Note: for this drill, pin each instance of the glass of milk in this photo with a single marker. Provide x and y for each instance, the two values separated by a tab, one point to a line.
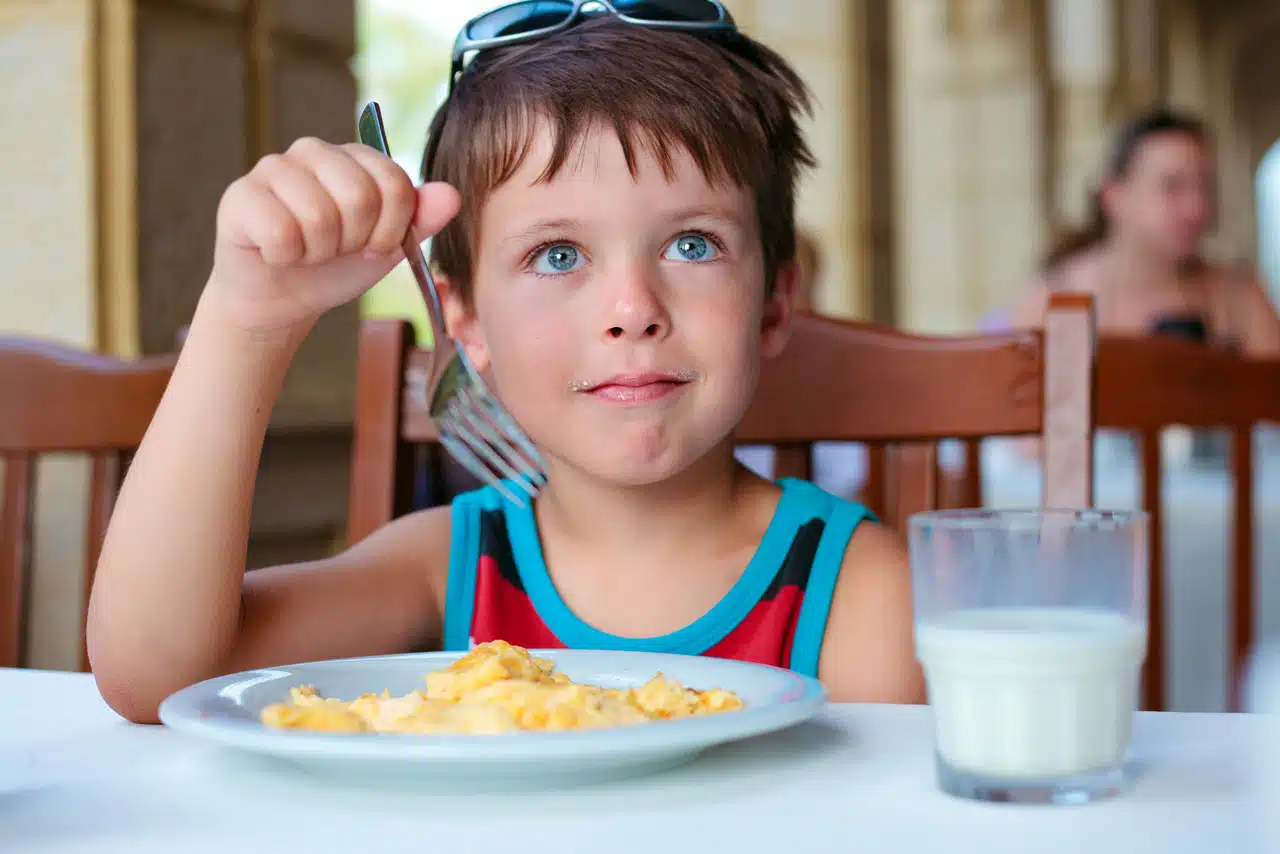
1031	627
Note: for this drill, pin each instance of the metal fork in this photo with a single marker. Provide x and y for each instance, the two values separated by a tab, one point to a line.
472	424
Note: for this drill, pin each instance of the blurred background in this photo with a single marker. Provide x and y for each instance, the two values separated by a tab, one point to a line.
957	138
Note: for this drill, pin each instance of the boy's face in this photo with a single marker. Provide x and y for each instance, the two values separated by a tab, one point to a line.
621	318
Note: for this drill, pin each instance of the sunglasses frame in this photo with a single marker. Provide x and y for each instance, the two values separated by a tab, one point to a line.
464	44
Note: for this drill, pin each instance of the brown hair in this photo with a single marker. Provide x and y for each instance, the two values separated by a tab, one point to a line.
1152	122
728	101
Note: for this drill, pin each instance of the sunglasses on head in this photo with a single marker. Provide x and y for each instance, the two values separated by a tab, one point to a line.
536	19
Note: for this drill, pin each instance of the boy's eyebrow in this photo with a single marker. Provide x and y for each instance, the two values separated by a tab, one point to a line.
541	228
706	212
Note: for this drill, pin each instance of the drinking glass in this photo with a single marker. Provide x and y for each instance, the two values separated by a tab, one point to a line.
1031	627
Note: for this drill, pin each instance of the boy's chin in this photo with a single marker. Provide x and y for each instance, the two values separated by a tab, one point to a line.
630	471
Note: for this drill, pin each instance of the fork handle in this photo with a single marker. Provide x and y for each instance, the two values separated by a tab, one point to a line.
427	285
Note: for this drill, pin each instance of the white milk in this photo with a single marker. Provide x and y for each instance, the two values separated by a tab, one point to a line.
1027	693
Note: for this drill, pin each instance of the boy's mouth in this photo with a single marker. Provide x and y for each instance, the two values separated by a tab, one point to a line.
635	388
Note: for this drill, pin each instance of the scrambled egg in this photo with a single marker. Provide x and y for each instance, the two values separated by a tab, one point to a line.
495	688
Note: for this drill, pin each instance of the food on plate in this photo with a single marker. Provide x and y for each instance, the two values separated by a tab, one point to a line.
495	688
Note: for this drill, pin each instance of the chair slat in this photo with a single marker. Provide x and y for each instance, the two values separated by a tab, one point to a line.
378	454
874	492
793	460
971	493
1068	403
1152	481
15	555
1241	583
914	488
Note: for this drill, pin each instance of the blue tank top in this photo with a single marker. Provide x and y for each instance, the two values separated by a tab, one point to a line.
776	613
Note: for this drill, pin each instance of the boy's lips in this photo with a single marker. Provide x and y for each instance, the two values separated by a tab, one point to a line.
635	388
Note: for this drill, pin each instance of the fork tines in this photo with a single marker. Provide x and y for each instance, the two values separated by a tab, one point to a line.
485	439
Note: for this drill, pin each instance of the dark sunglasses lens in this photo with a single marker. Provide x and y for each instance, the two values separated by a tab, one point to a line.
674	11
519	18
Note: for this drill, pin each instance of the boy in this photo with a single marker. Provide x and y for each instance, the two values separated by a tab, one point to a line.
621	260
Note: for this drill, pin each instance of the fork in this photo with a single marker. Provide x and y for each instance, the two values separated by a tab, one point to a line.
471	422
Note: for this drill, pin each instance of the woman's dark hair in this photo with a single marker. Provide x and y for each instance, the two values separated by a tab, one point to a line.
1152	122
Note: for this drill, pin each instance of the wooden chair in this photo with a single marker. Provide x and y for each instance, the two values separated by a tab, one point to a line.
1146	385
56	399
836	380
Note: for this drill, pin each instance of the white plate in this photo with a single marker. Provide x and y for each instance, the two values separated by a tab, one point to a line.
226	711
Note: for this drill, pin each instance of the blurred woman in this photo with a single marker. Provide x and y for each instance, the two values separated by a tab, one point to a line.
1140	255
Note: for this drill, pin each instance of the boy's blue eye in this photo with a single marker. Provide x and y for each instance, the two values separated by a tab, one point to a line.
691	247
556	260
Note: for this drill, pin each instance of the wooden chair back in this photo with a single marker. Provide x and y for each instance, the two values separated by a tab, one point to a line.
900	394
57	399
836	380
1146	385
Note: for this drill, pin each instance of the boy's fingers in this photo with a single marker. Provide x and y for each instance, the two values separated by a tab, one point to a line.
311	205
253	218
356	192
399	200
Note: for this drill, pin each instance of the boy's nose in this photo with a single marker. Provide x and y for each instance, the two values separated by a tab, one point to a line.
635	311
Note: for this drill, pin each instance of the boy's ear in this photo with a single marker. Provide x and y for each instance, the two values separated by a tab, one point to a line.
460	320
775	323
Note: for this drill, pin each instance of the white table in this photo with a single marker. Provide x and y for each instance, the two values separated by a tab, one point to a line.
74	777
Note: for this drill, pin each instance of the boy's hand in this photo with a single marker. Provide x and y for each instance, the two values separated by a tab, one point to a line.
314	228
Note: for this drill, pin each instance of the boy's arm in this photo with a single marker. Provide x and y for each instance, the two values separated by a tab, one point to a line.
301	233
868	650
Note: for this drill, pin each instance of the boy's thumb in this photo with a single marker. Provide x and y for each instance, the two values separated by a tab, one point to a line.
438	203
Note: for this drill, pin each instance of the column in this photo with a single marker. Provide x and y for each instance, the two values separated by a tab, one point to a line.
839	49
970	159
1085	76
